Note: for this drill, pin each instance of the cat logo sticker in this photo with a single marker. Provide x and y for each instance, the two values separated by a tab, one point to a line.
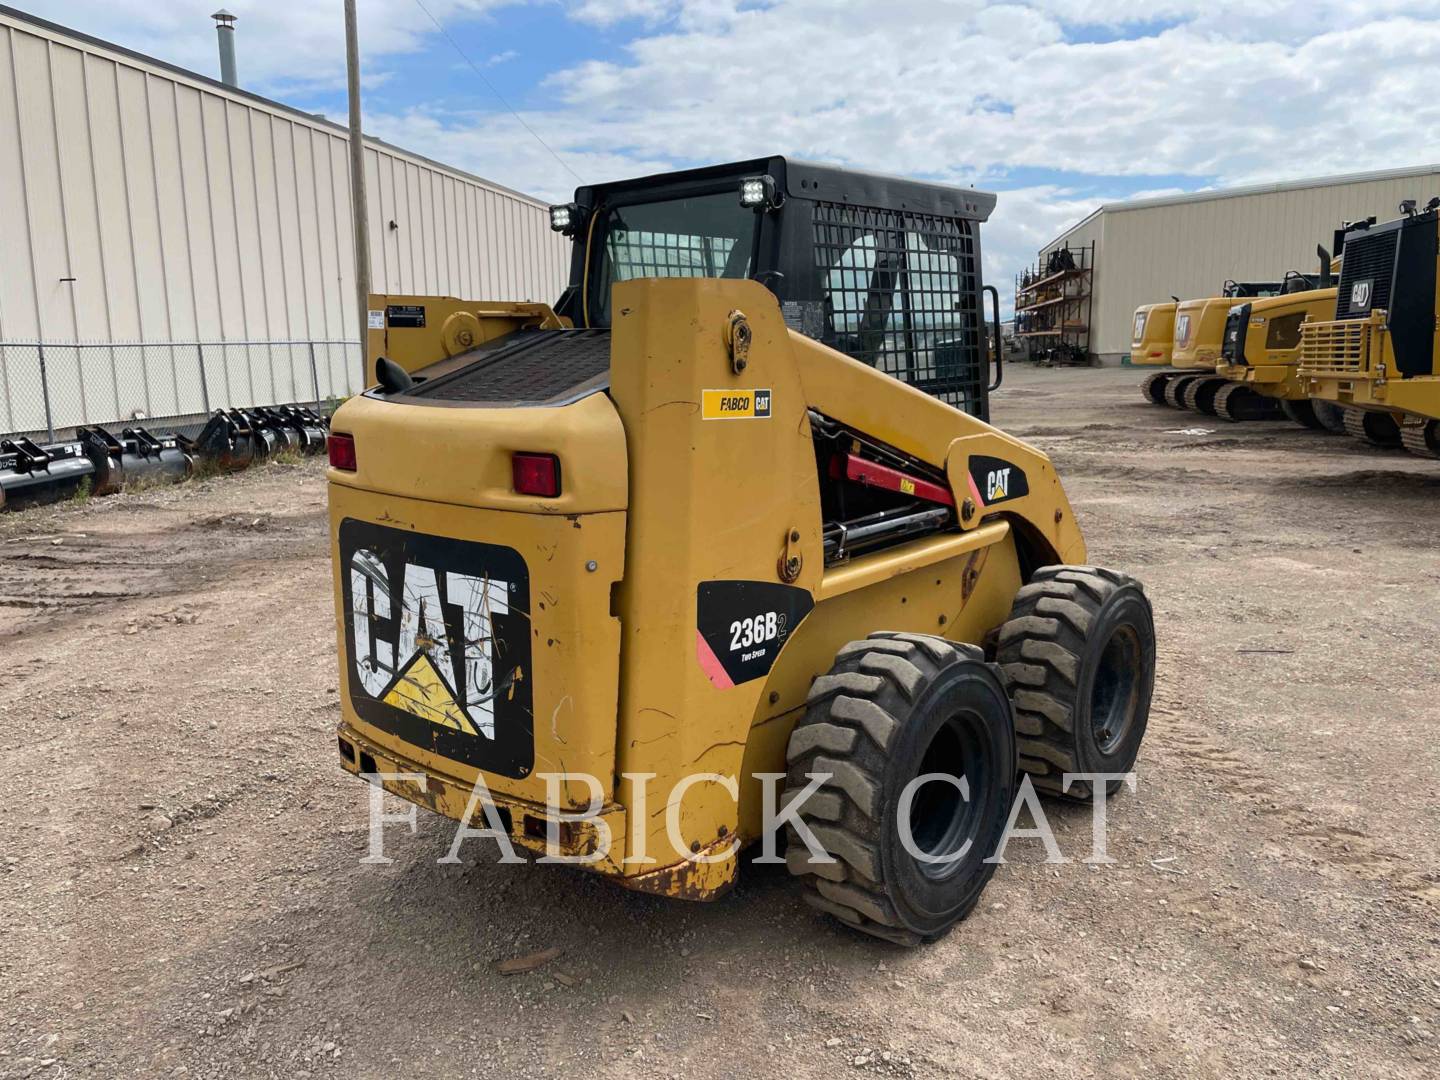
997	484
1360	295
437	641
994	480
735	404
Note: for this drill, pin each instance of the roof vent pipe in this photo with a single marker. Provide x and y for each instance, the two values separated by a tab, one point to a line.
225	31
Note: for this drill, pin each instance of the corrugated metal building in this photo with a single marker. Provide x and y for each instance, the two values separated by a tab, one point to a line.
143	203
1188	245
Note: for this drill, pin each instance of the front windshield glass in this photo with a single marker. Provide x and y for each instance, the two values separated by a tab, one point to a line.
697	236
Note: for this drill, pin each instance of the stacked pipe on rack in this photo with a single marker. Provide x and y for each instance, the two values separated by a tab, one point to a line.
102	463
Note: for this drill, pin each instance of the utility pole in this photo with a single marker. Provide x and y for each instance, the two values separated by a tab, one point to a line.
360	207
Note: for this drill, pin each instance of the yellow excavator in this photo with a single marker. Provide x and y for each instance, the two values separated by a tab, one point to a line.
1196	328
1152	335
700	552
1377	355
1257	377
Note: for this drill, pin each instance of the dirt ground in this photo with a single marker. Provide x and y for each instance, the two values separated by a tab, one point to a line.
181	892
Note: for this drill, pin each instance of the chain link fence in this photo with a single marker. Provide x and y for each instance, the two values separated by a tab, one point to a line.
47	389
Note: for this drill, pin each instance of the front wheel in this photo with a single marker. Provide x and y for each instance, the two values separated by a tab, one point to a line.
914	738
1079	654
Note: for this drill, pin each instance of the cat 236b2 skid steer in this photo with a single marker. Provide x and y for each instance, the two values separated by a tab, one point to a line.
691	526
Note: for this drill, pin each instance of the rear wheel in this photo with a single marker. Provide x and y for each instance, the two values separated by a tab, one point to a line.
1376	428
1421	436
1330	415
1303	413
894	708
1079	654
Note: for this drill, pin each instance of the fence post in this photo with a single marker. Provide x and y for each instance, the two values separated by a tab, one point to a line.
45	392
204	385
314	372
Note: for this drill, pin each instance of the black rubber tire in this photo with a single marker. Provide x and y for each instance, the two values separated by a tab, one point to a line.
1302	411
871	724
1330	414
1153	386
1078	652
1175	390
1379	429
1200	394
1421	436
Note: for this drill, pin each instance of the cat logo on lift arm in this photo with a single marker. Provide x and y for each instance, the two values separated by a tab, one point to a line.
993	480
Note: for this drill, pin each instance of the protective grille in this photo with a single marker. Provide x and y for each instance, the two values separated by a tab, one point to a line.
1370	257
531	367
902	294
1343	347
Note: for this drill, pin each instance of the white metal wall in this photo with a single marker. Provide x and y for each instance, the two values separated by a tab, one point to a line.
1189	248
139	204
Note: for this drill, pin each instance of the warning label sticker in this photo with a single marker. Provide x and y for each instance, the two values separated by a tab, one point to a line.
735	405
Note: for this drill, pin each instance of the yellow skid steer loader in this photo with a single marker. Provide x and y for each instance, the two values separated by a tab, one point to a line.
721	537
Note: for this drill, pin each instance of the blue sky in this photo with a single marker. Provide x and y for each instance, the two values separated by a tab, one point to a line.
1057	105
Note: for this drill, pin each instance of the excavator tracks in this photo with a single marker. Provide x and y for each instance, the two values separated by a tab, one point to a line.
1153	386
1200	394
1421	436
1238	402
1175	390
1376	428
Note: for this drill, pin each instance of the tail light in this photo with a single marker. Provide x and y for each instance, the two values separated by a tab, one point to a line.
342	451
536	474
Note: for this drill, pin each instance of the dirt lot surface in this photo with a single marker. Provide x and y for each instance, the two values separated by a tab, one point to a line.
181	892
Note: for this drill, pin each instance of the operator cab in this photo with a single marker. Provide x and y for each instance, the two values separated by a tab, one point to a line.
883	269
1237	289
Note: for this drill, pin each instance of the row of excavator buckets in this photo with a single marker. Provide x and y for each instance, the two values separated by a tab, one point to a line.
101	463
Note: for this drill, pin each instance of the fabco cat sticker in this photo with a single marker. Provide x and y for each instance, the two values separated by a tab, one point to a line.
741	626
437	644
993	480
735	404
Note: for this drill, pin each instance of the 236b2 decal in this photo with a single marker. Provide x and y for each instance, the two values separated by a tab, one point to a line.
742	625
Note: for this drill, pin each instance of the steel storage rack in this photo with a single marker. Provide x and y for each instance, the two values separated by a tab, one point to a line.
1054	304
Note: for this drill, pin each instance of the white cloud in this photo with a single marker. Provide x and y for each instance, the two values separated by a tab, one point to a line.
962	91
282	48
955	90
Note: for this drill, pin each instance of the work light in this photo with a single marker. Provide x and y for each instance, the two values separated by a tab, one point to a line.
758	193
565	218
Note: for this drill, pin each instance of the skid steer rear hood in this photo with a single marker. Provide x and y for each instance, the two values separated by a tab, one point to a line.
475	629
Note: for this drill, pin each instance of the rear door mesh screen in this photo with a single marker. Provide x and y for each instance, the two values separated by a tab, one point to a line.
901	294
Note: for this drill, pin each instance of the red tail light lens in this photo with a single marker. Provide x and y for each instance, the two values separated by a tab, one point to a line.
342	451
537	474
